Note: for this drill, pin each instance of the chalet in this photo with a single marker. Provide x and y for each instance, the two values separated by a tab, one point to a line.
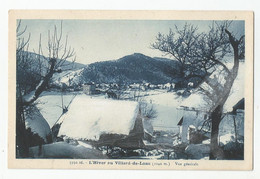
143	87
147	85
105	122
134	86
89	89
160	86
152	86
169	86
191	122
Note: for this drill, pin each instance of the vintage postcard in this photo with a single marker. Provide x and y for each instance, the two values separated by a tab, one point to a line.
131	90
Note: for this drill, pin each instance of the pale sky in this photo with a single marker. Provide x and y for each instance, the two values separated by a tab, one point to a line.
100	40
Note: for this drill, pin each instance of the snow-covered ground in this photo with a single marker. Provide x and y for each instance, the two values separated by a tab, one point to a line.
166	105
65	150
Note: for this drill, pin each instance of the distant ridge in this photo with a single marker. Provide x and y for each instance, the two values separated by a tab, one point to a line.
66	66
133	68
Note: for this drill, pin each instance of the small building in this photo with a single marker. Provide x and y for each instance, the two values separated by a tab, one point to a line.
89	89
169	86
105	122
192	126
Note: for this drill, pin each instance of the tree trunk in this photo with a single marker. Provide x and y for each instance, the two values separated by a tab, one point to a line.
43	84
215	150
22	142
235	128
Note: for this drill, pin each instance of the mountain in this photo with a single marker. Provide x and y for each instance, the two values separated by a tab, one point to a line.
133	68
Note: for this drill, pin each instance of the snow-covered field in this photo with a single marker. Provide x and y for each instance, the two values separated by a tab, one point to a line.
165	103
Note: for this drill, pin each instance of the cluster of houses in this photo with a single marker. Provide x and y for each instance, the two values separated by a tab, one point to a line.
92	88
113	89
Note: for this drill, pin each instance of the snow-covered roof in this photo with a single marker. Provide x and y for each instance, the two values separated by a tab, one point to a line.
196	100
37	123
88	118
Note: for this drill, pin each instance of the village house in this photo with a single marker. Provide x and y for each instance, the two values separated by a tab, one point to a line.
169	86
89	89
192	121
105	122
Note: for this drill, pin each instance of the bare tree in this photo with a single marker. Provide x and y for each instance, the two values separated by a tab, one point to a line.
34	73
148	110
181	45
22	86
120	90
58	54
207	52
223	93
